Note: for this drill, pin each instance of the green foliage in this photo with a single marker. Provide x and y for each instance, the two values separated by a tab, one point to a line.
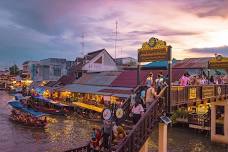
179	113
14	70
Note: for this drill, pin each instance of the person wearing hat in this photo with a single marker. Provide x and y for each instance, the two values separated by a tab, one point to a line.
149	79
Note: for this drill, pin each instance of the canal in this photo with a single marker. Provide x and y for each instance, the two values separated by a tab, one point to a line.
63	133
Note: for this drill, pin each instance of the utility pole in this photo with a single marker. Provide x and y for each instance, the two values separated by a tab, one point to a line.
170	78
82	44
116	38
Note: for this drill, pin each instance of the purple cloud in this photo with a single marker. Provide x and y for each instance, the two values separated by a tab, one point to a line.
223	50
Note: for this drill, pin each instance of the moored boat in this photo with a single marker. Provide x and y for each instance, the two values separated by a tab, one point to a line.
49	106
27	116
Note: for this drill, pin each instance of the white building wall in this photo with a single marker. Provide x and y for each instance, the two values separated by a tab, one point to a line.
107	64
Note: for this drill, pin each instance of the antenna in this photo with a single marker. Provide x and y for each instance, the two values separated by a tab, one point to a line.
82	44
121	52
116	38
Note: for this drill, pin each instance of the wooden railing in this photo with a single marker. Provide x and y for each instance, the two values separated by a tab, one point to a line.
200	119
183	95
142	130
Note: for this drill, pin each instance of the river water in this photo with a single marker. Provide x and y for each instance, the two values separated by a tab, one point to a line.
63	133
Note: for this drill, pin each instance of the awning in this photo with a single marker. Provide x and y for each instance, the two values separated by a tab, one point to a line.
158	65
121	95
87	106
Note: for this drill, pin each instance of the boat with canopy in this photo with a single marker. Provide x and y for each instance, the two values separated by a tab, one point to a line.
26	115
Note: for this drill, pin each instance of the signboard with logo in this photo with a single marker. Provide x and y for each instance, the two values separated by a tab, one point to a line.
153	50
208	92
219	62
192	93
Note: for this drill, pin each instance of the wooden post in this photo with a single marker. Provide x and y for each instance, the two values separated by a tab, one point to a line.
162	139
138	72
217	137
170	78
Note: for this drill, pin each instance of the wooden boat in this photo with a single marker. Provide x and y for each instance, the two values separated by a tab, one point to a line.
48	106
27	116
48	110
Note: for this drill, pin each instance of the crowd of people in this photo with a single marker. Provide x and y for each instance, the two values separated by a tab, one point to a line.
27	119
149	92
112	132
201	79
140	102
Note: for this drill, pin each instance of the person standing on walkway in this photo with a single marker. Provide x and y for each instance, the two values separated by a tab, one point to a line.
137	112
159	83
107	134
149	80
133	96
151	95
184	80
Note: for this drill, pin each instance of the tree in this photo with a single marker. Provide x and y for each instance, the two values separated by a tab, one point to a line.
14	70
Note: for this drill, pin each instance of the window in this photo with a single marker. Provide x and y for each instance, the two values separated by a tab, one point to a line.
57	71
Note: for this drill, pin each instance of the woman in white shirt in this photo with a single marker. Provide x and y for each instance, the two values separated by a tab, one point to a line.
137	111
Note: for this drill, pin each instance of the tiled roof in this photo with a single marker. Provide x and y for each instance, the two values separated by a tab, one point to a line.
128	78
101	78
66	79
89	56
192	63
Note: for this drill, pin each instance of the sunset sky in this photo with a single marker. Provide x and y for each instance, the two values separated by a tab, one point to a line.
38	29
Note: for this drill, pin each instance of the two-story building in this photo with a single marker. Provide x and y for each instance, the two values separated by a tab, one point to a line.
97	61
47	69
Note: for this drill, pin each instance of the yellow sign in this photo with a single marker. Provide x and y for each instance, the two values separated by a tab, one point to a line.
219	62
154	50
208	92
192	93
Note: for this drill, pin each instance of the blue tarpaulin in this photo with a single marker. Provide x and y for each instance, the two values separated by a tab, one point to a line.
19	106
158	65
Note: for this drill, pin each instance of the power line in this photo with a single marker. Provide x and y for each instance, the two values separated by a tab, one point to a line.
116	38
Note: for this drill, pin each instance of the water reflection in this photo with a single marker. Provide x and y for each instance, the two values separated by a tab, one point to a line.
186	140
63	133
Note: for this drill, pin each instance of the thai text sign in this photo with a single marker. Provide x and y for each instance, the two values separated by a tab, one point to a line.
154	50
219	62
208	92
192	93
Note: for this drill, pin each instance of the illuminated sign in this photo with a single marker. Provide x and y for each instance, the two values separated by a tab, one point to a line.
208	92
192	93
219	62
153	50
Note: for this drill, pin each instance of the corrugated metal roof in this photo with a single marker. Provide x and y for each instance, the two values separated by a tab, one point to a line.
192	63
115	91
81	88
100	79
102	90
121	95
50	83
